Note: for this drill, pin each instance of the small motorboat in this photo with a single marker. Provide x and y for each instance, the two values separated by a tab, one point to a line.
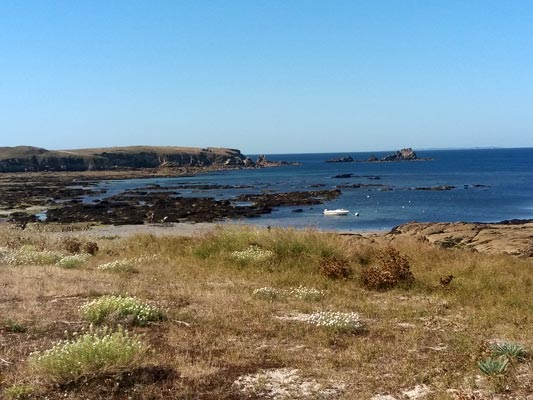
338	211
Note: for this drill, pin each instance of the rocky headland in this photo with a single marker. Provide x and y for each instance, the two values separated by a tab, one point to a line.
35	159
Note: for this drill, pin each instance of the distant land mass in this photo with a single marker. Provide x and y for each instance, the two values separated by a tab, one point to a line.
34	159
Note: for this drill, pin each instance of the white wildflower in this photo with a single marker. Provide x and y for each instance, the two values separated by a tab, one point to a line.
253	253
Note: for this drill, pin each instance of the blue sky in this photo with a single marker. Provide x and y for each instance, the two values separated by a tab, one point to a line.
267	76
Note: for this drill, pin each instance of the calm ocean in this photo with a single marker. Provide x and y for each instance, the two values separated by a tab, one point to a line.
489	185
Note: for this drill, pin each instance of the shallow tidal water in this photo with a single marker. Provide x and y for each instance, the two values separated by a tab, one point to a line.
488	186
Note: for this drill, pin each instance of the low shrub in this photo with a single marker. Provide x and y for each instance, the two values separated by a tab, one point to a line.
14	326
72	245
28	255
91	353
300	292
19	392
90	248
117	266
304	293
338	322
253	253
268	293
390	269
120	309
335	268
73	261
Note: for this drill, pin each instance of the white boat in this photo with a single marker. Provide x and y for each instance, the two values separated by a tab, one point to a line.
338	211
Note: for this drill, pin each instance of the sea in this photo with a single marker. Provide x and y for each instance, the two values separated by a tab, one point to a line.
483	185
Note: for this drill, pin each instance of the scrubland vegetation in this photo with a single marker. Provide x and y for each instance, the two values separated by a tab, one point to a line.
260	314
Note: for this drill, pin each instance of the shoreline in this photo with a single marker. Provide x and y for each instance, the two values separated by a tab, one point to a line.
508	237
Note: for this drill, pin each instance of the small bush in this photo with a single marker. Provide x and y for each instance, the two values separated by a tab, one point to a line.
90	248
13	326
117	266
308	294
28	255
338	322
268	293
120	309
300	292
73	261
253	253
91	353
335	268
390	269
72	245
19	392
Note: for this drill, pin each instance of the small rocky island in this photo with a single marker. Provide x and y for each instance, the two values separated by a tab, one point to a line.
407	154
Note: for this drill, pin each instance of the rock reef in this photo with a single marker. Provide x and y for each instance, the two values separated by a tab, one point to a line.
407	154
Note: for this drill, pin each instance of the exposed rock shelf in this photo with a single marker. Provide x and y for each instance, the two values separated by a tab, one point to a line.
511	237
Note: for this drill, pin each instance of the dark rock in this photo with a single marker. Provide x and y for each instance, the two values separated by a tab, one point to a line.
362	186
263	162
342	176
402	155
347	159
434	188
291	198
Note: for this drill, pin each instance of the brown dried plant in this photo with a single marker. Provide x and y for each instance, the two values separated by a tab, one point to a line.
390	269
335	268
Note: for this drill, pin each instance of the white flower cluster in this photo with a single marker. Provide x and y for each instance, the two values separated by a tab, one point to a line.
336	321
253	253
73	261
145	259
4	253
117	266
300	292
303	293
90	352
29	256
113	307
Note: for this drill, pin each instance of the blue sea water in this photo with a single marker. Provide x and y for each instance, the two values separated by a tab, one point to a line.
489	185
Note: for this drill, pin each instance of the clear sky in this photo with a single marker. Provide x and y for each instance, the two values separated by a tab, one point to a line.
267	76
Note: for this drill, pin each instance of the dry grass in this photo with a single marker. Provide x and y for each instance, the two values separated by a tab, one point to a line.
217	331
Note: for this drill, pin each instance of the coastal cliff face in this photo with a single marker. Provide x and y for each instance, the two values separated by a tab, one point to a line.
33	159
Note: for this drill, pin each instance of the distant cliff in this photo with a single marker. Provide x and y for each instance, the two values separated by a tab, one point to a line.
27	158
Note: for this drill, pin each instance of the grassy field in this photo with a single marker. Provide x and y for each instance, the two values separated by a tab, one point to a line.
260	314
